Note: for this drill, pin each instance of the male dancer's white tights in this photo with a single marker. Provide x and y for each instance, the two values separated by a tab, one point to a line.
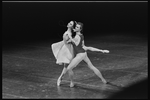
79	57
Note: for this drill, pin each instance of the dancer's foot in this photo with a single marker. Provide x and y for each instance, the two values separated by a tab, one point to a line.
104	81
71	84
58	81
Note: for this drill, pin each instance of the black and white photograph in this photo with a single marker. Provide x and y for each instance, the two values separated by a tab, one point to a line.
74	49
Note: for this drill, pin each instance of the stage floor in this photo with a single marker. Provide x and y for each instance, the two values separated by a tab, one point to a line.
30	71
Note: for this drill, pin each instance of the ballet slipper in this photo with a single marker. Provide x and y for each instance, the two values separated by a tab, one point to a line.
58	81
71	84
104	81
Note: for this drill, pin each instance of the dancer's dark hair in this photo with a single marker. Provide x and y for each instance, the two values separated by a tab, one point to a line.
73	27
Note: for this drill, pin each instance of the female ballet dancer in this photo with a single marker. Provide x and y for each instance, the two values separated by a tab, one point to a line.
63	51
81	54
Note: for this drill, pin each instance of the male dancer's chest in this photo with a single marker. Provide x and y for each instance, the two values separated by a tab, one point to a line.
78	46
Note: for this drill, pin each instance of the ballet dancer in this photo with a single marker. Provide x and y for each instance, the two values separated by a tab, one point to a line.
81	54
63	50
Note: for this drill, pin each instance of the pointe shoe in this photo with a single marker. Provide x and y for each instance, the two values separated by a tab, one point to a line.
104	81
58	82
71	84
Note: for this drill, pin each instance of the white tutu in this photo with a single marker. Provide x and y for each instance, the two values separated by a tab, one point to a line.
62	52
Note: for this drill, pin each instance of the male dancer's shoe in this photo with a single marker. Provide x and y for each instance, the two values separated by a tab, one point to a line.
71	84
58	81
104	81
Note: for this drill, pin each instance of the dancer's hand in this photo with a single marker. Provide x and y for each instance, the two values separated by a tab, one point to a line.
74	30
68	41
105	51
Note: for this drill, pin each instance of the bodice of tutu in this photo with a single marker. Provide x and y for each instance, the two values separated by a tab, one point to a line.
66	35
62	50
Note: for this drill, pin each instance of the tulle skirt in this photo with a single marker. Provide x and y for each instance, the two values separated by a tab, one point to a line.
62	52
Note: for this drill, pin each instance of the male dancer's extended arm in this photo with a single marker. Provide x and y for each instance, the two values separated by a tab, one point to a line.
93	49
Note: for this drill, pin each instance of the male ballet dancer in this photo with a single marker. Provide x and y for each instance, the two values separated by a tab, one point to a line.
81	54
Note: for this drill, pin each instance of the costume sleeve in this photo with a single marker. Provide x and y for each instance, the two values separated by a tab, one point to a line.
77	40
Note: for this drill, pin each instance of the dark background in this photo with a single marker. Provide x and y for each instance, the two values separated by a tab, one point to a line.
31	22
38	22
